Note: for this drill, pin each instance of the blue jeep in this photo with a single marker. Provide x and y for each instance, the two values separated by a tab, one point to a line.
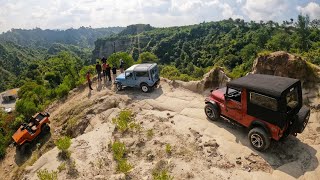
144	76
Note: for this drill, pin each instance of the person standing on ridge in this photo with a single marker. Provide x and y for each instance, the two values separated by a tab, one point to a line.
108	71
104	60
121	65
89	80
104	72
114	73
98	69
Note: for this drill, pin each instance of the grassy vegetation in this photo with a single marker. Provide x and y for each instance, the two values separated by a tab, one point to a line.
46	175
119	151
162	175
161	172
63	144
125	121
62	167
150	133
72	169
168	149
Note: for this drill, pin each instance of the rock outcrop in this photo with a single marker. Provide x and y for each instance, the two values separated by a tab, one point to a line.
213	79
281	63
105	47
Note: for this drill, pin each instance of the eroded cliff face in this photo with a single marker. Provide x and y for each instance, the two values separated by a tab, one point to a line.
281	63
105	47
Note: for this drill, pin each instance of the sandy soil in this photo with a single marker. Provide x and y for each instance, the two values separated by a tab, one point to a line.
201	149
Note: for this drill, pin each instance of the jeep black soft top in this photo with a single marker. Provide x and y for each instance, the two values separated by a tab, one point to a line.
274	86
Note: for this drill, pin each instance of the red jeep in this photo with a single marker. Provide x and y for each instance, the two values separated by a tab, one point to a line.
270	106
28	132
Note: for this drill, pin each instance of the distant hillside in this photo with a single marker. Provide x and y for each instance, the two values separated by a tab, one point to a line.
13	60
18	63
83	37
230	43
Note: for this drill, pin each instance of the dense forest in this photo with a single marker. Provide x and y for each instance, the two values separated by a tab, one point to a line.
20	49
233	44
83	37
46	67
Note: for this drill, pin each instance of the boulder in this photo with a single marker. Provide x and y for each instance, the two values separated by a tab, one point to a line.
281	63
213	79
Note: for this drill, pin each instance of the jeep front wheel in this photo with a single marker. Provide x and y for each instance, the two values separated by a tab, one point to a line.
145	88
211	112
259	139
119	86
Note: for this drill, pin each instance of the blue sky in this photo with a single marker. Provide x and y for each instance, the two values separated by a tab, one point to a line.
63	14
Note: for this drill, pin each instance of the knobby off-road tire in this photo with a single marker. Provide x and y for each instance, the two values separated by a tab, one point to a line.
259	139
25	148
212	112
45	129
119	86
145	88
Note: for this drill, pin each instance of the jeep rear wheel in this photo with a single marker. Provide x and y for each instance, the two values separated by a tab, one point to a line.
211	112
145	88
45	128
24	149
259	139
119	86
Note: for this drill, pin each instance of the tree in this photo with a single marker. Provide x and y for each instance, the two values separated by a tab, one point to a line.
303	31
114	59
148	57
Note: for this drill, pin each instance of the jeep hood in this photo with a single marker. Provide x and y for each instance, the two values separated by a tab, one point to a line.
120	77
19	134
218	94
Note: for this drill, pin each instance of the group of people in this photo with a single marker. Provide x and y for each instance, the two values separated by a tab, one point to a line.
104	71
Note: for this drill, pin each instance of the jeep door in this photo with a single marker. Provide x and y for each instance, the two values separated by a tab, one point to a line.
233	106
142	77
130	79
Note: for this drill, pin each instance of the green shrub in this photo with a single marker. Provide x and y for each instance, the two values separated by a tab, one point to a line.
46	175
62	167
72	170
168	149
114	59
160	171
146	57
62	90
162	175
123	166
2	149
125	120
118	149
150	133
63	144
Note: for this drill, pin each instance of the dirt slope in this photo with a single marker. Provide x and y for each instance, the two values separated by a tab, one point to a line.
200	149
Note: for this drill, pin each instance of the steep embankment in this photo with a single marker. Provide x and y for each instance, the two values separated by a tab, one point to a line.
281	63
200	149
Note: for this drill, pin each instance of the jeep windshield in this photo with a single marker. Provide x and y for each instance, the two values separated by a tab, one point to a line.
292	99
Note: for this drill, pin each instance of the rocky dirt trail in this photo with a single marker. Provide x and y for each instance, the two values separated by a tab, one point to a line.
201	149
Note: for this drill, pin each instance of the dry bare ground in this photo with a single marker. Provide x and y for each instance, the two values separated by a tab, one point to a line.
200	149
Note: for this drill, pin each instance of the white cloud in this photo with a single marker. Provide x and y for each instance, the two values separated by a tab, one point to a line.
228	11
62	14
312	9
265	9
